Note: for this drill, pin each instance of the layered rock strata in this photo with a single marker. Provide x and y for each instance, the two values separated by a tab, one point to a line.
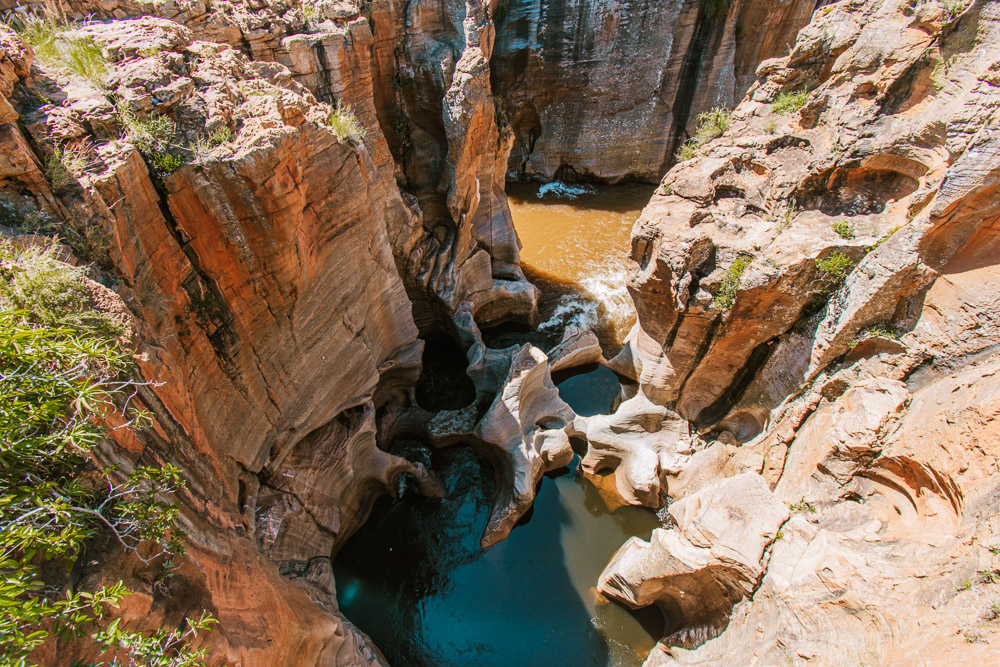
607	91
805	296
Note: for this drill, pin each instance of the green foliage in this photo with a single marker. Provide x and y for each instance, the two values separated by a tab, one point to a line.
788	103
992	612
770	127
844	229
49	292
711	124
836	266
167	163
964	586
65	162
687	151
988	576
311	14
885	237
873	332
952	11
724	298
802	506
203	146
153	137
59	386
345	124
54	47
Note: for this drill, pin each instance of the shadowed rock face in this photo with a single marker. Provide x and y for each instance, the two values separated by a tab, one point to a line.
607	91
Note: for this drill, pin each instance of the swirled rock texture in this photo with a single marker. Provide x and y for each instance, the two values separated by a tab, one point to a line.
815	292
695	572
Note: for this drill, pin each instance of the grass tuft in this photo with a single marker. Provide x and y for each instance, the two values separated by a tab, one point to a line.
725	297
345	124
711	124
789	103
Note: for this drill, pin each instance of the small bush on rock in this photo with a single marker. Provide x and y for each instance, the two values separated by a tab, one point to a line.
345	124
725	297
788	103
844	229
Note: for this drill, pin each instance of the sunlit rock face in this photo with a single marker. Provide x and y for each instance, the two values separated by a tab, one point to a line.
804	290
602	90
815	289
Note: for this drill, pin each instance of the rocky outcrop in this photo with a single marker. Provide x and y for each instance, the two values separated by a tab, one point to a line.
804	296
273	320
597	90
695	572
528	427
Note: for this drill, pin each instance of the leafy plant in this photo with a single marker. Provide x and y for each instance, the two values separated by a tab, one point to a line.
789	102
58	387
725	296
802	506
711	124
836	266
844	229
345	124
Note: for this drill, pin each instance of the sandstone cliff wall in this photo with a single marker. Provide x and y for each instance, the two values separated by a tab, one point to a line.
608	91
805	299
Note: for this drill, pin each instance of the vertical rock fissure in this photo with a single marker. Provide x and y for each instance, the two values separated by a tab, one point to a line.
690	76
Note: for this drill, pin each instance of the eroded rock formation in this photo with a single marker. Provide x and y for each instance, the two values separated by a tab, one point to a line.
607	91
803	289
816	294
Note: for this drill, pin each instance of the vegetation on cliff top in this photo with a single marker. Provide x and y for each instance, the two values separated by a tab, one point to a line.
64	381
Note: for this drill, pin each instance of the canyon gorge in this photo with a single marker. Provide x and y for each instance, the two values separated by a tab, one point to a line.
378	270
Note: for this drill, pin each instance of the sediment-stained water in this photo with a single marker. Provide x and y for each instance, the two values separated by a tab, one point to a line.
415	579
575	245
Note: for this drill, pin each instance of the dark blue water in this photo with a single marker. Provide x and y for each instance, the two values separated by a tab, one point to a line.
415	579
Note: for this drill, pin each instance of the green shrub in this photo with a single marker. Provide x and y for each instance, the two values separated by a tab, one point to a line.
725	297
345	124
802	506
711	124
844	229
788	103
836	266
167	162
52	46
49	292
687	151
59	384
872	332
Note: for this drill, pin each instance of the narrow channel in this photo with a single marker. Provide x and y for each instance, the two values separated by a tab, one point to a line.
414	577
